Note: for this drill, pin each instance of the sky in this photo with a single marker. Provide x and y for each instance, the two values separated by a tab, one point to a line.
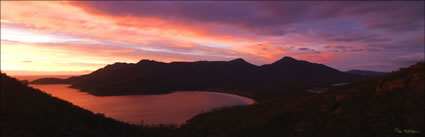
77	37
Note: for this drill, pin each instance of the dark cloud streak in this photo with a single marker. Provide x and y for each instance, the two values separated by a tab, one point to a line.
273	17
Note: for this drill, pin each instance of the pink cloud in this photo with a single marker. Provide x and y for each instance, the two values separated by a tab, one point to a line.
261	32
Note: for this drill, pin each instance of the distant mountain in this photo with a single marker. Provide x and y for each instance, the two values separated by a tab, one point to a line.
49	80
367	73
152	77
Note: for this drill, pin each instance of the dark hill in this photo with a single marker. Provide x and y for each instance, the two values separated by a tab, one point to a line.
152	77
29	112
302	74
391	106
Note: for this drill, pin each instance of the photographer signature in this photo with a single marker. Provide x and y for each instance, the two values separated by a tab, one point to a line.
406	131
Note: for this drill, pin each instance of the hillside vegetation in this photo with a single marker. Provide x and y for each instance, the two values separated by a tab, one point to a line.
355	110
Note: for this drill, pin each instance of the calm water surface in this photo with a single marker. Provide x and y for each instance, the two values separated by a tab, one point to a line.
173	108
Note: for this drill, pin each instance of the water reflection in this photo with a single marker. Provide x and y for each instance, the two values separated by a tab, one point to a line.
174	108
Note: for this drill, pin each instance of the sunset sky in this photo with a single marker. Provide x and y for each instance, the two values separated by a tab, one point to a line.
46	37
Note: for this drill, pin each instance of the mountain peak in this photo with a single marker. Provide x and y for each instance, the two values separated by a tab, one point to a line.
286	59
146	61
238	60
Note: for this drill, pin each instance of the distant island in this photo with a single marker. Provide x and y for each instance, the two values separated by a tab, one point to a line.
152	77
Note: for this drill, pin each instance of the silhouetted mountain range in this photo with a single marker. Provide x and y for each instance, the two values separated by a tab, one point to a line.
152	77
367	73
382	106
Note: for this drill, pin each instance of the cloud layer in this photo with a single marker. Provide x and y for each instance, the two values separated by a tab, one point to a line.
345	35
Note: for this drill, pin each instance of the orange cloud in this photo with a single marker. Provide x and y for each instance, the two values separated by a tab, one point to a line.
72	58
166	40
269	52
49	17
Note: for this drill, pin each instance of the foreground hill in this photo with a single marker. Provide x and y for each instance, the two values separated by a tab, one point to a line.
392	106
28	112
152	77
